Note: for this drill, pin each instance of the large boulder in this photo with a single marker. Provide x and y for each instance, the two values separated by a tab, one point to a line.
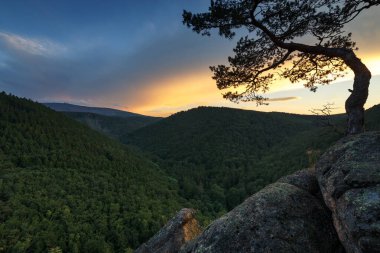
304	179
349	178
286	216
182	228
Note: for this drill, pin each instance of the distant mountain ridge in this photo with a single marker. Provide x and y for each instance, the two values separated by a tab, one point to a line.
111	122
112	126
65	107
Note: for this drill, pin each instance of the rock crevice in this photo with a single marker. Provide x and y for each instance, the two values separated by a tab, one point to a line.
314	211
351	190
287	216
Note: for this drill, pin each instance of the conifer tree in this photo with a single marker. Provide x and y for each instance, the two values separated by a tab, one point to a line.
273	49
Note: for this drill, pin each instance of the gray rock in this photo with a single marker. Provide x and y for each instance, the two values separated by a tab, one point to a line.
349	178
179	230
280	218
304	179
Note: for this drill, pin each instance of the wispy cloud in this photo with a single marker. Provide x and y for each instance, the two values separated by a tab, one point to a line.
31	45
282	99
128	57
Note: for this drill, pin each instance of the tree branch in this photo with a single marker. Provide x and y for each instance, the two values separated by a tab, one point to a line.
275	64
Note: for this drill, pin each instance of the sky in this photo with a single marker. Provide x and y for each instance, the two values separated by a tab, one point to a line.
138	56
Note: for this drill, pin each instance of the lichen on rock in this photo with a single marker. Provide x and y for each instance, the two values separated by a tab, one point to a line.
280	218
291	214
349	178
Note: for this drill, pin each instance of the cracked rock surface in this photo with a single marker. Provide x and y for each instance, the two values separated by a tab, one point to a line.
349	178
287	216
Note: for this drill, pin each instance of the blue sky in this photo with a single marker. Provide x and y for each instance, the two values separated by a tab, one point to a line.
132	55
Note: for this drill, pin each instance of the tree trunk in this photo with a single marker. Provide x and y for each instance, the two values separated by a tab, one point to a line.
355	102
359	94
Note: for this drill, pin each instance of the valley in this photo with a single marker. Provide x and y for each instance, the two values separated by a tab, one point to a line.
64	185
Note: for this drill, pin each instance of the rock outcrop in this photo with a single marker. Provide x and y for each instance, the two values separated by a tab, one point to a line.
349	178
304	179
309	211
179	230
286	216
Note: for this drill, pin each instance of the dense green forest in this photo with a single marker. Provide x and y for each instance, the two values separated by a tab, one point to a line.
65	187
220	156
112	126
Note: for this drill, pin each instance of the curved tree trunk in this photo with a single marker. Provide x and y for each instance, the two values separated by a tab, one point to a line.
359	94
355	102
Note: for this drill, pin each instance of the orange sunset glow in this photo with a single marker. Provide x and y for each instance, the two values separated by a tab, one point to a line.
188	90
157	70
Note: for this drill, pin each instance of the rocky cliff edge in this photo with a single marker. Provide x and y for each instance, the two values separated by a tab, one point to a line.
332	208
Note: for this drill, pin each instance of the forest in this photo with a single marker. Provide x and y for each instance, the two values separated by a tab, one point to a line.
65	187
220	156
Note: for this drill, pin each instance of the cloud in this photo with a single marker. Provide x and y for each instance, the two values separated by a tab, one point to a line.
100	72
282	99
31	46
40	68
143	65
365	31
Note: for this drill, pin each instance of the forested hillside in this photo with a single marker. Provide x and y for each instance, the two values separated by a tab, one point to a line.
220	155
112	126
201	131
66	187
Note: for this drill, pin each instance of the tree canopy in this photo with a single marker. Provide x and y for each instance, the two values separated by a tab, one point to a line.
65	187
301	40
220	156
